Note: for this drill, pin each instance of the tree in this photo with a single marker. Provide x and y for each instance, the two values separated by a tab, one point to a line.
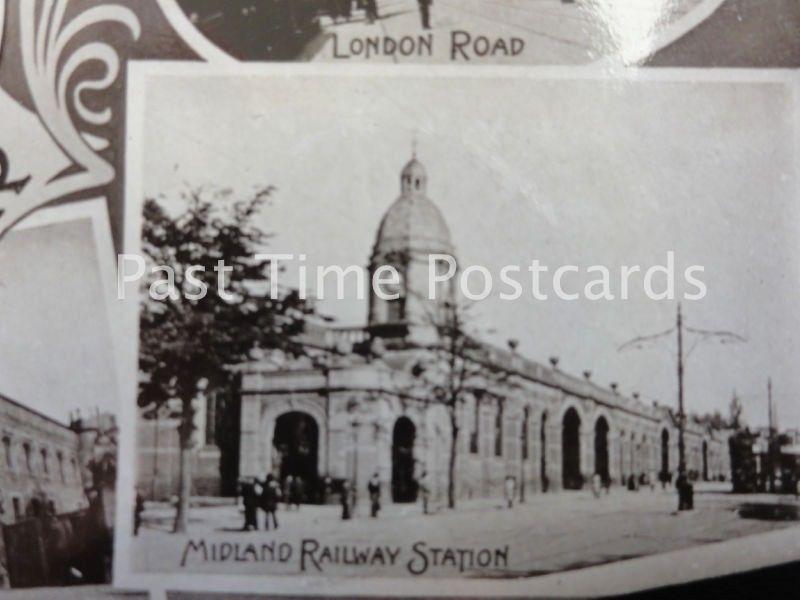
735	412
189	345
454	370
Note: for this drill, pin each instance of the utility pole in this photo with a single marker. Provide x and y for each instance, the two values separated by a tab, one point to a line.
681	413
769	405
770	437
701	335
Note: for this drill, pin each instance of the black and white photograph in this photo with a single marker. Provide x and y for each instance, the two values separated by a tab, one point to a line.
58	418
398	297
718	33
410	327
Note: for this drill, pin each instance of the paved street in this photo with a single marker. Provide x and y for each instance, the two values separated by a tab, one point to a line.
550	533
554	32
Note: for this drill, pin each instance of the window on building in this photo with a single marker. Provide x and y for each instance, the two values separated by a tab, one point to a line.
26	449
7	452
395	309
211	419
474	435
60	460
524	433
74	468
17	508
45	466
498	429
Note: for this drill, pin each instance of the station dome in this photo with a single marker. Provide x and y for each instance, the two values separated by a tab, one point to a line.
413	222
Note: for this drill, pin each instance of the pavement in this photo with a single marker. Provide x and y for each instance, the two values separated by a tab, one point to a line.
554	31
549	533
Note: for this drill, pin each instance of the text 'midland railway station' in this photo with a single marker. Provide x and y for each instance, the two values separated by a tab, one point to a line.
464	46
314	556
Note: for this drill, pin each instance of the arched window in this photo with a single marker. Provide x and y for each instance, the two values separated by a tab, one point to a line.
474	435
498	429
60	460
45	466
524	434
26	449
7	452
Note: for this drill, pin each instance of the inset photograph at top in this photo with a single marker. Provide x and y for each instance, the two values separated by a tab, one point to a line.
703	33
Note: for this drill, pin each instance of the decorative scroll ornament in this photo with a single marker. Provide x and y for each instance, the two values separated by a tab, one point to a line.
49	72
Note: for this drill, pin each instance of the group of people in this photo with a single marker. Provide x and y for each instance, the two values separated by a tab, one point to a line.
267	494
374	492
344	9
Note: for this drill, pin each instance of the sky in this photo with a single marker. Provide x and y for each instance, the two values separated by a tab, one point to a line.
55	336
567	172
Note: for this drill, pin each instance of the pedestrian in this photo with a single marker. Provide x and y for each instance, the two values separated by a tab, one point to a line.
372	11
137	512
270	496
424	491
597	485
425	13
296	488
247	489
344	498
327	486
287	491
374	490
510	490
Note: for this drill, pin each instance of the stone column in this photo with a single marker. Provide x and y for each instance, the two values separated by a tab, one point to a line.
249	443
613	457
554	455
587	453
535	456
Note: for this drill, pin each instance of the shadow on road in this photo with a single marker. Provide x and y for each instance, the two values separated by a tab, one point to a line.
770	512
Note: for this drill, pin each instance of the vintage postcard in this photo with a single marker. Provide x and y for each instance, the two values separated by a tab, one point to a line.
58	418
718	33
486	297
467	333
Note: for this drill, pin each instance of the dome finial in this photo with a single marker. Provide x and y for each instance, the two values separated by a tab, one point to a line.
414	146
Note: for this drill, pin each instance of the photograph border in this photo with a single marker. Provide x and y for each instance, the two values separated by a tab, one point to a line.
699	562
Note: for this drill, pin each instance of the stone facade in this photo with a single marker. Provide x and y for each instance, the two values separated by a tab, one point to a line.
549	430
40	459
357	410
355	406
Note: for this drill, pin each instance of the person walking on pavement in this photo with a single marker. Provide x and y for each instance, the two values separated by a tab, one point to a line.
424	491
270	496
137	513
510	490
374	489
247	489
425	13
372	11
345	500
296	491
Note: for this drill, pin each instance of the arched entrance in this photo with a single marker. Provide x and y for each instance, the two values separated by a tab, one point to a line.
664	455
601	449
571	451
705	460
404	487
296	443
543	453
